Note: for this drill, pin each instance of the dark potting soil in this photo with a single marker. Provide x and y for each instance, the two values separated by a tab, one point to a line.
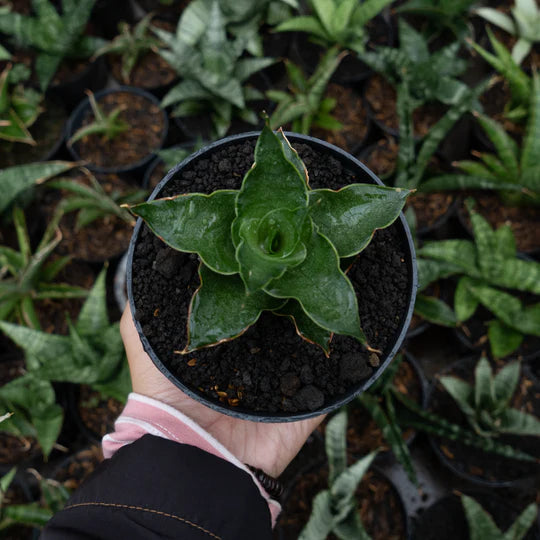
429	208
143	137
103	239
96	412
476	462
379	506
69	70
381	157
351	112
269	368
523	220
445	520
382	99
46	131
151	71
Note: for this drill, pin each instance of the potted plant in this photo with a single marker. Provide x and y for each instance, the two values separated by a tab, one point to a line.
348	500
275	277
117	131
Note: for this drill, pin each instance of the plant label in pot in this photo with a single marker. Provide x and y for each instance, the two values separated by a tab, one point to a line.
269	257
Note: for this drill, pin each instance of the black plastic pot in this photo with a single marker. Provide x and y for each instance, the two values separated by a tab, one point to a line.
134	170
527	478
362	174
445	519
320	468
93	77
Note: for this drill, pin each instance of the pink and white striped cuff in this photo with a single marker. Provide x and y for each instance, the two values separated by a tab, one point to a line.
143	415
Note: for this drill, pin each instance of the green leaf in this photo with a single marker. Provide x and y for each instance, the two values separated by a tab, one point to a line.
221	310
481	524
195	223
447	182
461	253
430	271
304	24
435	311
522	524
349	217
461	391
322	289
93	315
15	180
530	154
503	340
336	445
321	521
484	391
497	18
518	423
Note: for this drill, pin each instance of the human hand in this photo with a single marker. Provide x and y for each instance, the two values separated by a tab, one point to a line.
269	447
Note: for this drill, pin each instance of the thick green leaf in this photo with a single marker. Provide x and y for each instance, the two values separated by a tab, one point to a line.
530	154
15	180
221	309
321	521
93	315
461	391
518	423
434	310
484	391
522	524
481	524
503	340
322	289
505	384
336	445
195	223
457	252
349	217
430	271
30	514
447	182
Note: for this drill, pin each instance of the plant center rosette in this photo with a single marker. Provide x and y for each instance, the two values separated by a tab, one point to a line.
273	245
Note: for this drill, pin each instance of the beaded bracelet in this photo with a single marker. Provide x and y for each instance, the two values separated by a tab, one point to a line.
273	486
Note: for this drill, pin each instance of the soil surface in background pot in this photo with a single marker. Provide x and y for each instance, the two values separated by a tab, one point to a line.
269	368
475	462
78	467
352	113
96	412
47	131
382	99
430	208
102	239
445	520
378	502
143	136
523	220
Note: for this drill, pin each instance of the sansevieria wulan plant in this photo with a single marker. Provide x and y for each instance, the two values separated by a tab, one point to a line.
274	244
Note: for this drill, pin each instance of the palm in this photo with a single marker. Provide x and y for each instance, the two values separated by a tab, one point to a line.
267	446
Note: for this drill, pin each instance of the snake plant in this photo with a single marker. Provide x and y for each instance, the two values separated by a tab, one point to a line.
488	270
214	72
272	245
483	527
337	22
514	171
524	24
335	510
92	353
305	105
19	106
53	35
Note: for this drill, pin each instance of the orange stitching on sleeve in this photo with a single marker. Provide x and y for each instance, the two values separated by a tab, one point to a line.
150	510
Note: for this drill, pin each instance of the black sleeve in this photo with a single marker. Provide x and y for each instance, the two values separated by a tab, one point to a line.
155	488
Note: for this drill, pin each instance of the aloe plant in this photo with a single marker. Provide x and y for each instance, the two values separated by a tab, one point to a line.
92	353
32	514
486	404
16	180
305	105
519	82
92	202
27	277
487	269
53	35
335	510
107	125
19	106
35	412
213	71
337	22
514	171
524	25
275	245
131	45
442	14
482	526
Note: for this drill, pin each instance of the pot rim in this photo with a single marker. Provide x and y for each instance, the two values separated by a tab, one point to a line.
336	402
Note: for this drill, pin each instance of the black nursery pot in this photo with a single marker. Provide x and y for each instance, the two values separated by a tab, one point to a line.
131	170
359	173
